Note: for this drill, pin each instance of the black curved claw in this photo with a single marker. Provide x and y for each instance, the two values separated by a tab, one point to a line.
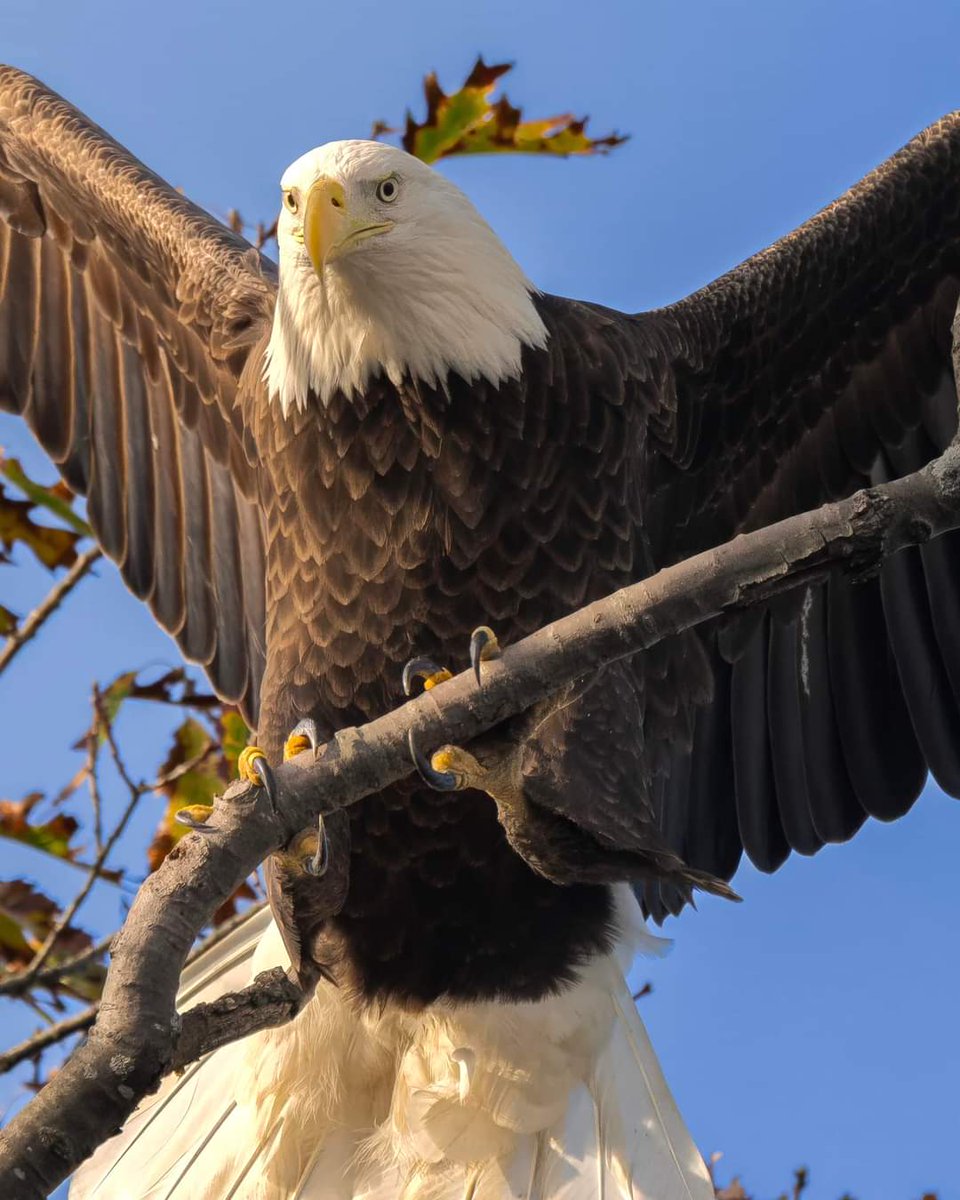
265	771
317	864
418	668
185	817
480	640
307	728
440	781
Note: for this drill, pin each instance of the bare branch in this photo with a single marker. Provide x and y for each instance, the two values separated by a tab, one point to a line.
35	621
27	977
272	999
138	1027
93	780
16	983
45	1038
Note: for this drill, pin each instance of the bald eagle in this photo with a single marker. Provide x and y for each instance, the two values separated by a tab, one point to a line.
316	475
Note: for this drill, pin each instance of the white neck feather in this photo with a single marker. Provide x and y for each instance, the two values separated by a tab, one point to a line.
418	303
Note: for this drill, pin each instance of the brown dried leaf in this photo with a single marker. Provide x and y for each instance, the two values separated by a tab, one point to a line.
733	1191
26	918
468	121
53	836
52	547
174	687
8	622
55	497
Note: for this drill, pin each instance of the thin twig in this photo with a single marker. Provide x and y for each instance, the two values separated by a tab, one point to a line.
28	976
45	1038
35	621
133	788
14	983
93	782
181	769
36	1007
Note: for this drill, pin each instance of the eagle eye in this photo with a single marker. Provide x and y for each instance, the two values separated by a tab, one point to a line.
388	190
290	202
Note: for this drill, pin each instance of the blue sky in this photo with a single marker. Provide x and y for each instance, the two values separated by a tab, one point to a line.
815	1023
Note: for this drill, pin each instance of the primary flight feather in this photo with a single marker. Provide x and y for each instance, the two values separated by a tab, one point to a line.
313	476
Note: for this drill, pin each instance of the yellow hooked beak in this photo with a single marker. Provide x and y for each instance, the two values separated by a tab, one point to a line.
329	229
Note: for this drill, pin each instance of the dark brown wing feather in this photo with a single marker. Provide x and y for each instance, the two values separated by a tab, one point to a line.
126	317
816	367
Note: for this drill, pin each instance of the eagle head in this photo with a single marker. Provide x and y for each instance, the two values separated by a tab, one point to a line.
387	268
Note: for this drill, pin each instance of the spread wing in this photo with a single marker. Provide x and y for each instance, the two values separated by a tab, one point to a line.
127	315
815	368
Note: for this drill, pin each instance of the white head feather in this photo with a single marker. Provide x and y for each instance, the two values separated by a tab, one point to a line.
437	293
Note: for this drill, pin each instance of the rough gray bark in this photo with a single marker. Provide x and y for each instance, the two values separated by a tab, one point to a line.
137	1037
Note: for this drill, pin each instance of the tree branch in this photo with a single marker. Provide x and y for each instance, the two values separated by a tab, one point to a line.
44	1038
27	977
35	620
135	1039
18	982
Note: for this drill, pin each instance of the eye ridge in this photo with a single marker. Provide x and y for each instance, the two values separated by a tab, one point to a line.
388	189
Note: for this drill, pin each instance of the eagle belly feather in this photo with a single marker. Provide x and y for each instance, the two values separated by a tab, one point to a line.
556	1099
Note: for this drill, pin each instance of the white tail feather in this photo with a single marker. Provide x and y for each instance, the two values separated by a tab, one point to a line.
558	1099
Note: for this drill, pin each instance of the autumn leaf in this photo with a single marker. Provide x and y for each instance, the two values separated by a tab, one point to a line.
469	121
26	918
8	622
174	687
53	547
57	498
211	763
53	836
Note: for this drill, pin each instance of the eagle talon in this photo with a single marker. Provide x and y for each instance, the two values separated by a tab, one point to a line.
304	736
266	780
425	669
483	647
317	863
247	764
440	781
252	766
194	816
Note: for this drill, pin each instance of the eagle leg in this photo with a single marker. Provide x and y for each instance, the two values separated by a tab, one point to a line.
449	769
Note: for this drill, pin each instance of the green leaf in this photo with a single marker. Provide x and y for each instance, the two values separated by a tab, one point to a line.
53	837
57	498
26	918
468	121
53	547
200	785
